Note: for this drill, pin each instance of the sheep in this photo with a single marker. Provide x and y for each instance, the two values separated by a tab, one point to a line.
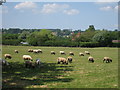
37	62
87	52
27	57
81	54
69	59
16	51
4	62
53	52
40	51
62	52
107	59
71	53
63	60
91	59
30	50
29	64
7	56
35	51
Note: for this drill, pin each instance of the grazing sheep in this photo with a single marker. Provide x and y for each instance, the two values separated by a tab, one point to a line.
81	54
62	52
40	51
71	53
107	59
27	57
69	59
16	51
63	60
29	64
53	52
7	56
87	52
35	51
30	50
91	59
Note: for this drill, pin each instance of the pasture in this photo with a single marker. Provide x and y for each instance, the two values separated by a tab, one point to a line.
78	74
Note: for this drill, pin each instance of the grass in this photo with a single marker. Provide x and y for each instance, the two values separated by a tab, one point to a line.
79	74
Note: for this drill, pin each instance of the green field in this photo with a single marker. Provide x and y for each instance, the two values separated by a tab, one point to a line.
78	74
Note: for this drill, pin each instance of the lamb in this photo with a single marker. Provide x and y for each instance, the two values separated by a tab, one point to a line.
62	52
30	50
107	59
81	54
27	57
53	52
71	53
87	52
7	56
16	51
91	59
63	60
69	59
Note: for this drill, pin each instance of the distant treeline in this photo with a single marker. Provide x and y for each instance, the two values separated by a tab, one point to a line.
57	37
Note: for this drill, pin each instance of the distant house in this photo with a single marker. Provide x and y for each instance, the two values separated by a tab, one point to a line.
25	43
76	36
116	41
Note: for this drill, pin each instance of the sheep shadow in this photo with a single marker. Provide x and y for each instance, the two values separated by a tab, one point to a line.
17	76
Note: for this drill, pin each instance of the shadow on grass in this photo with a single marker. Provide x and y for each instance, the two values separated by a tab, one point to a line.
17	76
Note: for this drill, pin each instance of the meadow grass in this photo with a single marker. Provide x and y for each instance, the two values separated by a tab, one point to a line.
78	74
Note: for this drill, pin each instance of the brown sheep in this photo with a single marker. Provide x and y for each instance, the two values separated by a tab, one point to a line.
70	59
63	60
7	56
107	59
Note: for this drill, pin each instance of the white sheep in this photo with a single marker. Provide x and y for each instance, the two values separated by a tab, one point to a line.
91	59
62	52
87	52
71	53
107	59
7	56
27	57
81	54
16	51
30	50
53	52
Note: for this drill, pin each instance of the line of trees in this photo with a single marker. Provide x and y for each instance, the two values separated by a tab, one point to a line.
56	37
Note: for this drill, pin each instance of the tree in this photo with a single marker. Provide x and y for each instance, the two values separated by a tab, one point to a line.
104	38
91	28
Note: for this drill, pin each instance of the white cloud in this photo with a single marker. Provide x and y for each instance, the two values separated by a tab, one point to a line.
53	8
71	12
26	5
107	8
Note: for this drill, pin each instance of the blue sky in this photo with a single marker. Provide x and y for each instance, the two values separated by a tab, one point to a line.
62	15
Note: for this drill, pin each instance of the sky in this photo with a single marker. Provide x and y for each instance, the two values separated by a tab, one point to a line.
59	15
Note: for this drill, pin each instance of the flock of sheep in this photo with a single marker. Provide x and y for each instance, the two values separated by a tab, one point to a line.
28	60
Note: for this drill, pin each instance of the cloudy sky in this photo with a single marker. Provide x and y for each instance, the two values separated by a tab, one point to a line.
63	15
